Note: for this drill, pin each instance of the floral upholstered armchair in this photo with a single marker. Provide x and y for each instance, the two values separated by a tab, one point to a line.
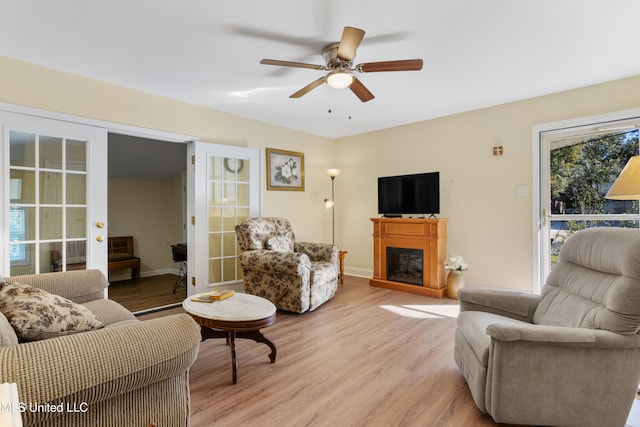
295	276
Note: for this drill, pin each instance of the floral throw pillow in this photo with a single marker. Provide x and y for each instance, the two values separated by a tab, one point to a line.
280	243
36	314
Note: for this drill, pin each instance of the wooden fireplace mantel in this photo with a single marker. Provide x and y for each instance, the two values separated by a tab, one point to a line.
427	234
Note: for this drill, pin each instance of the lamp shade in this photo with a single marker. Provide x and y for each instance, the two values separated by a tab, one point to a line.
627	185
328	203
333	172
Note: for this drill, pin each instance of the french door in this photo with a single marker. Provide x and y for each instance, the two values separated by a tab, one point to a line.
578	166
226	190
54	195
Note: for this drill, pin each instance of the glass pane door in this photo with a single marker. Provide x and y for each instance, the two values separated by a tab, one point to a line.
228	178
228	205
48	207
577	173
48	198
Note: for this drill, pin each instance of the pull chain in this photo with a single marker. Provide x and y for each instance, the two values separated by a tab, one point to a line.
331	100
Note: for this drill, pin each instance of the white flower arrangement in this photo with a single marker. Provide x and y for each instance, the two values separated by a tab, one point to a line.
456	263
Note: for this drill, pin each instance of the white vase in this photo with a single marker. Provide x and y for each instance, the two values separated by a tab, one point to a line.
455	281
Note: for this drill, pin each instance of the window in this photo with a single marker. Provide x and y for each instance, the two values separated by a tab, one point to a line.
582	169
17	232
578	161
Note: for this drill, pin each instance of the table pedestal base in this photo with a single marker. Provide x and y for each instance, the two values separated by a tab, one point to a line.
231	336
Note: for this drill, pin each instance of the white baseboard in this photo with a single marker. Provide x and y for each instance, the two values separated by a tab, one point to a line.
358	272
350	271
159	272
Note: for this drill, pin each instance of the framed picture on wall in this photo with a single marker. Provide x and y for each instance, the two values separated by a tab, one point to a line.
285	170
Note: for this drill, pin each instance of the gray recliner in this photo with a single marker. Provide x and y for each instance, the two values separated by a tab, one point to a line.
569	356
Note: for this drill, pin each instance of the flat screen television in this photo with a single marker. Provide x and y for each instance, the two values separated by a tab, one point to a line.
416	194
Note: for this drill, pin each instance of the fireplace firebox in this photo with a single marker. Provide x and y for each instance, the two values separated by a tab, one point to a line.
405	265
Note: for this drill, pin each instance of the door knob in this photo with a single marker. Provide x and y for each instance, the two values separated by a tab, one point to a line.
100	224
100	238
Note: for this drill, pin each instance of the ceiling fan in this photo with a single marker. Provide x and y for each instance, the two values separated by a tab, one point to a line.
339	58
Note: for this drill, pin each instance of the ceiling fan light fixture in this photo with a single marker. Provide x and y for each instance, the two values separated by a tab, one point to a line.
338	58
339	79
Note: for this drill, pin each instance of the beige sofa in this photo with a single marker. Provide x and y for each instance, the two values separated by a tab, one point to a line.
567	357
127	373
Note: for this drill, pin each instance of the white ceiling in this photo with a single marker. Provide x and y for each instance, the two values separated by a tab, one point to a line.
132	157
476	53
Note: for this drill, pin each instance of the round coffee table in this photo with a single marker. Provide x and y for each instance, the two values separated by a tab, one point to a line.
240	316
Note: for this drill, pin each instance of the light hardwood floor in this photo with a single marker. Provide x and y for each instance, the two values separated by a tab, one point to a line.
148	293
368	357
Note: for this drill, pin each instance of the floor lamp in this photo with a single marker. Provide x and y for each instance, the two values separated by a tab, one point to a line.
330	203
627	185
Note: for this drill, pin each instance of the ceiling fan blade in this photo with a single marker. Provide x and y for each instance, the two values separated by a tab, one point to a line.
308	88
351	38
361	91
246	31
403	65
292	64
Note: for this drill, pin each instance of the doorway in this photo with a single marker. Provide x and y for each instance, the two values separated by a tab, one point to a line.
577	166
226	191
239	185
147	206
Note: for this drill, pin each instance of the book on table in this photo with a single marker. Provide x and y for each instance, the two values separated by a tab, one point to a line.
214	296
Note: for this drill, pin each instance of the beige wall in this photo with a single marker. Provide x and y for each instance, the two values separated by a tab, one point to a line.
489	224
151	212
33	86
